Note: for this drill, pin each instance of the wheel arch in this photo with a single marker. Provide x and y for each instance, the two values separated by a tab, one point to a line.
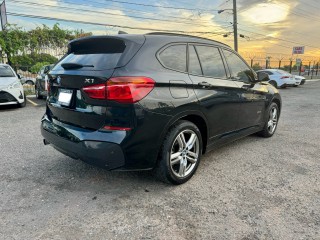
197	118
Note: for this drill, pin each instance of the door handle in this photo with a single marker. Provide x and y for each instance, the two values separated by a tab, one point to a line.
204	84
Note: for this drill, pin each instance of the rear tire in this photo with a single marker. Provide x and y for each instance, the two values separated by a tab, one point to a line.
272	121
273	83
38	95
180	153
29	82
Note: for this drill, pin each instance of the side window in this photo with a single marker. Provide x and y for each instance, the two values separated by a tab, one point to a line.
239	69
194	64
175	57
211	62
269	73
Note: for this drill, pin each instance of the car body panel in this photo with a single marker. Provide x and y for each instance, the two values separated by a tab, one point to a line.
224	106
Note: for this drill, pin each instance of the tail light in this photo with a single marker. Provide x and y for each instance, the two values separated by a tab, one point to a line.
122	89
285	77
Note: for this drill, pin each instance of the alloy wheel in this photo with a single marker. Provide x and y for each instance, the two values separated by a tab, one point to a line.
273	120
184	153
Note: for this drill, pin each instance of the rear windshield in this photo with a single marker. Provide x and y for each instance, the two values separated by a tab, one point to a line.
99	61
94	54
5	71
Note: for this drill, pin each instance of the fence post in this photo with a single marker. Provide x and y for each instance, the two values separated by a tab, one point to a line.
300	68
279	64
251	63
309	68
317	68
314	63
290	69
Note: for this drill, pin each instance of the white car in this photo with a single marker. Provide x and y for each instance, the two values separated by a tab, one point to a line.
11	90
302	79
281	79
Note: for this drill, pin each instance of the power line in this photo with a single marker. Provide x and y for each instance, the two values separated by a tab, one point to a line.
99	12
281	39
108	25
159	6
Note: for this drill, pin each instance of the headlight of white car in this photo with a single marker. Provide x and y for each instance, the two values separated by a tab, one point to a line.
14	85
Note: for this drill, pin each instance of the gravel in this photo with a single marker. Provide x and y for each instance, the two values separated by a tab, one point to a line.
254	188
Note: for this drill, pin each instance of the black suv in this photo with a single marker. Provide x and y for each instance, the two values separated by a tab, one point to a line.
154	101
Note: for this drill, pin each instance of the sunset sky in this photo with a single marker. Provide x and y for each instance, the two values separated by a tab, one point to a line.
268	26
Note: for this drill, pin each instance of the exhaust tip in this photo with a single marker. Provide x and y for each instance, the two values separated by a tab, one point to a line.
45	142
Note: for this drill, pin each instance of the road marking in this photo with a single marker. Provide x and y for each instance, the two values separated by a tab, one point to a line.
32	102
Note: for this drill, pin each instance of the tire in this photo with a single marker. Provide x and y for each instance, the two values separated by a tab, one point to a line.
273	83
272	121
29	82
38	95
177	162
21	105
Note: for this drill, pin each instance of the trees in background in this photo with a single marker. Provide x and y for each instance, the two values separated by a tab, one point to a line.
27	47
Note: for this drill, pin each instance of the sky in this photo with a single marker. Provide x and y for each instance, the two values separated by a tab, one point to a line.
268	27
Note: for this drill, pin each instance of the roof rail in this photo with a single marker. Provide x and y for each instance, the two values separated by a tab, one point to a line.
183	35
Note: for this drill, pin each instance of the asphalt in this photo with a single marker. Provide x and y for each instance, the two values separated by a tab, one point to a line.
254	188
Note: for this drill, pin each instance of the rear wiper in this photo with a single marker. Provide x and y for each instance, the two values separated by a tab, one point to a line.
74	65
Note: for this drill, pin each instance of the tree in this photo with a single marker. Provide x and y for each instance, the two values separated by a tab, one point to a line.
256	67
36	68
25	47
12	41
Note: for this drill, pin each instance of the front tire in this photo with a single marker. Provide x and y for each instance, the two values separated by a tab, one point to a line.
21	105
180	153
272	121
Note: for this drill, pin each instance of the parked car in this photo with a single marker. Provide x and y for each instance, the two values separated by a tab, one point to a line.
280	79
27	80
154	101
41	81
11	90
301	78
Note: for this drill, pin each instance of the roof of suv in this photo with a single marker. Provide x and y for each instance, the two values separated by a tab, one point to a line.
166	37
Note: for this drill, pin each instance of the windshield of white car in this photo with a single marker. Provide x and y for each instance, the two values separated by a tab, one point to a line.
5	71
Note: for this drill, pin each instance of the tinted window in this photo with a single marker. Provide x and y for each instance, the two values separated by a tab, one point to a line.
194	65
5	71
239	69
99	61
211	62
175	57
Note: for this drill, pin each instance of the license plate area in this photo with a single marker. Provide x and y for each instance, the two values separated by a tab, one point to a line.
64	97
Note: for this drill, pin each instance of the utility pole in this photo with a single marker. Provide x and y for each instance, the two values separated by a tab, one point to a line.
235	25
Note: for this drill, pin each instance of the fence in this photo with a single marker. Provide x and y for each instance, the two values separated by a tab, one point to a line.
296	64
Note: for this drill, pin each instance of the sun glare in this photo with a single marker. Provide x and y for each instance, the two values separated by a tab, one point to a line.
267	13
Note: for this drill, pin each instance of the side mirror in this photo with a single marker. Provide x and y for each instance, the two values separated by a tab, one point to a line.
263	77
19	76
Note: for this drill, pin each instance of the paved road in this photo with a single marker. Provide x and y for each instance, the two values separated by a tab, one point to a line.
254	188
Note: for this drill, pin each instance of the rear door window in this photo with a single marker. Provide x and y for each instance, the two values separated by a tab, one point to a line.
174	57
194	64
211	62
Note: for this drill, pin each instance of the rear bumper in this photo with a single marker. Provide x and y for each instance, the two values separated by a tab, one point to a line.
78	144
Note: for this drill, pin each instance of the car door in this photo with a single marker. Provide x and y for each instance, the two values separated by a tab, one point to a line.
253	95
216	93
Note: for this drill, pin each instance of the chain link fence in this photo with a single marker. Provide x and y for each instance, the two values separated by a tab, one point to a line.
307	66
